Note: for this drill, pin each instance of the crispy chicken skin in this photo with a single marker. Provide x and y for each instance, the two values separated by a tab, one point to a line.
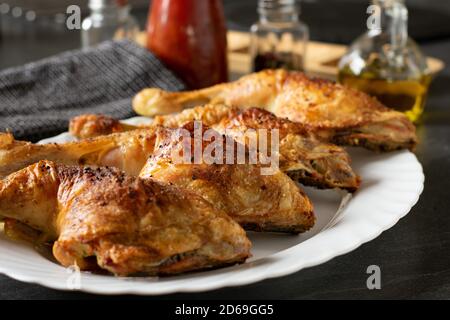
258	202
337	113
122	156
303	157
92	125
127	151
102	218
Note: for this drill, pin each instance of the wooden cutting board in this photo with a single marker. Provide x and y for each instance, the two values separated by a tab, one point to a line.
321	58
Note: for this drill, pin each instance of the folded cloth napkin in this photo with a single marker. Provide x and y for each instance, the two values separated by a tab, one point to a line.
38	99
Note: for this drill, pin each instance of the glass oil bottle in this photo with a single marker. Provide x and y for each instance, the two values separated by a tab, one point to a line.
387	64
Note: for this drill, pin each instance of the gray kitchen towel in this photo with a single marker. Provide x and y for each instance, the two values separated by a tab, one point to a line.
38	99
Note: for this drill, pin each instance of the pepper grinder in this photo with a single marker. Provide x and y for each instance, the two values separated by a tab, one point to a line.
279	39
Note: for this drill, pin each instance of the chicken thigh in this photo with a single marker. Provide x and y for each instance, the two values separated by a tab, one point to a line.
102	218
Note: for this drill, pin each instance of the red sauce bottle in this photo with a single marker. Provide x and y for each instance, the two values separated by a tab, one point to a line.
189	36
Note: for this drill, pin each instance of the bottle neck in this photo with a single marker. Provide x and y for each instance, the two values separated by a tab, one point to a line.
278	11
394	21
110	11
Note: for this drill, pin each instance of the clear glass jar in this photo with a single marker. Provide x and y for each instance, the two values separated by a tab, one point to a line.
386	63
109	19
279	39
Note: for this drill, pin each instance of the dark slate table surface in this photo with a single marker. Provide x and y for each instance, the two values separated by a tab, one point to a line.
413	255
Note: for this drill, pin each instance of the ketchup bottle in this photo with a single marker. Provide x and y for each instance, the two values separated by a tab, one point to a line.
189	36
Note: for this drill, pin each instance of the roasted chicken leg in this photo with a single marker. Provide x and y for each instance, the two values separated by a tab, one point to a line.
257	201
127	151
302	156
336	113
94	125
130	150
102	218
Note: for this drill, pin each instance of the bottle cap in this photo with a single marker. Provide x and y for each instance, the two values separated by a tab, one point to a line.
99	4
280	6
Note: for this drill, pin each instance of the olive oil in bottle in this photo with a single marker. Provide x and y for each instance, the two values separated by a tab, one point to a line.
408	96
387	64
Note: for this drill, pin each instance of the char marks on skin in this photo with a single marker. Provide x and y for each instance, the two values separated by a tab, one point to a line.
303	156
103	218
260	202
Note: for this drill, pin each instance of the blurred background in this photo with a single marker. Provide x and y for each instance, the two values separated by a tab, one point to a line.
32	29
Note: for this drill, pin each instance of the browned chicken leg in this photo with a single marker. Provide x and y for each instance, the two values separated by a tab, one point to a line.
130	150
336	113
302	156
127	151
104	218
257	201
94	125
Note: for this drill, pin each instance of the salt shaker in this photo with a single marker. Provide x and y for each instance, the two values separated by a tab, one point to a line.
109	19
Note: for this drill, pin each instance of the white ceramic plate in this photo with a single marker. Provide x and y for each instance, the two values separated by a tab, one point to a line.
392	183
